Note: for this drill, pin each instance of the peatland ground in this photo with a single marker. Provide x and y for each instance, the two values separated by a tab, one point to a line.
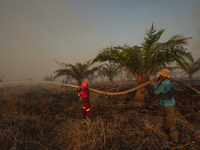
49	117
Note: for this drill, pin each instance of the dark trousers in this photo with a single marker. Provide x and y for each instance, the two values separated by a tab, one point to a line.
169	116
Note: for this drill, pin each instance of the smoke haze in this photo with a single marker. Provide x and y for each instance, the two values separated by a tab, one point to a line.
33	33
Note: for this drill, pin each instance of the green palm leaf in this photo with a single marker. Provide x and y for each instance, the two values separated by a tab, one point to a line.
78	71
152	54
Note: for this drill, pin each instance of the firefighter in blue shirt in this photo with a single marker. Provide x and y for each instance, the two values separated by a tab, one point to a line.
163	86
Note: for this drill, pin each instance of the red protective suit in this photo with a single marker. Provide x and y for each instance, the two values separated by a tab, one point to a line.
86	105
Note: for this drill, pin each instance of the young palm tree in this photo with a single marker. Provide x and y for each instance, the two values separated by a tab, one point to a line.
66	79
78	71
100	74
49	78
121	74
110	70
1	79
193	68
91	77
152	54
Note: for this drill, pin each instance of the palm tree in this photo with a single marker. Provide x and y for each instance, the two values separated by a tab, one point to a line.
121	74
1	79
110	70
67	79
100	74
152	54
78	71
193	68
129	75
49	78
91	77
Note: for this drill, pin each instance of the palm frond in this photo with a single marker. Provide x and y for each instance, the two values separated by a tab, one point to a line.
78	71
151	39
60	64
139	60
193	68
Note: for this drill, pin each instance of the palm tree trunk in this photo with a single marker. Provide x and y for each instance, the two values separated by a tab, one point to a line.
111	80
140	96
79	82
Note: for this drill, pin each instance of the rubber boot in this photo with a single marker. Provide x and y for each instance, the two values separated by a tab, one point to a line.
174	135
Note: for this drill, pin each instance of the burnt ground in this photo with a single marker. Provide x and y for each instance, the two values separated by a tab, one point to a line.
50	118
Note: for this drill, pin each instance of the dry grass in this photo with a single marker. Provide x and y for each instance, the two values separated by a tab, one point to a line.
49	118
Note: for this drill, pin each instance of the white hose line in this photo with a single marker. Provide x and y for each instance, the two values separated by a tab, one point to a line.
35	81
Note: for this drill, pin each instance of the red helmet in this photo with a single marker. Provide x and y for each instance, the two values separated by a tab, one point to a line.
84	84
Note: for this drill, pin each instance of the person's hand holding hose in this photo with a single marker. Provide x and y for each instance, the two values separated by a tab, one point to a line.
156	79
79	87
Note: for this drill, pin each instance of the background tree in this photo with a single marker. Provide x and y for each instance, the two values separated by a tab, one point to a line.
129	75
1	79
78	71
121	74
193	68
100	74
67	79
49	78
91	77
140	60
110	70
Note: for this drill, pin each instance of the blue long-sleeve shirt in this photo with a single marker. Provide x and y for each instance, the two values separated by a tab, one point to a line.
164	87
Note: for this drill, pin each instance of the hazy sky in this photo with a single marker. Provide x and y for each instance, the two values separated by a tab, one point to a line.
34	32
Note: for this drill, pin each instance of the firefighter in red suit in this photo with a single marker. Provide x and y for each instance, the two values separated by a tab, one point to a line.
84	92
